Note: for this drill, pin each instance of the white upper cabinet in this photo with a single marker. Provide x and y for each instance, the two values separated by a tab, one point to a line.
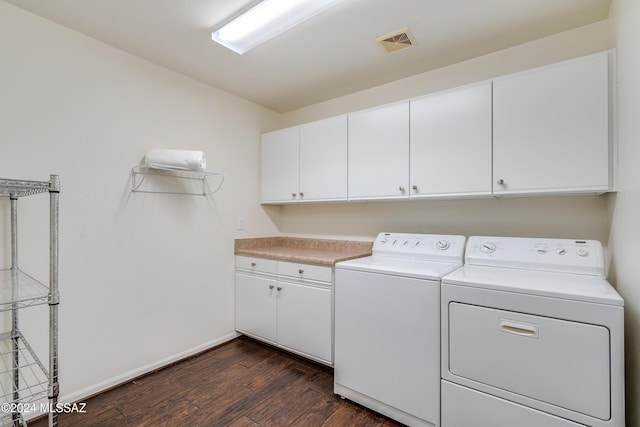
323	159
451	143
280	165
543	131
305	163
551	130
379	152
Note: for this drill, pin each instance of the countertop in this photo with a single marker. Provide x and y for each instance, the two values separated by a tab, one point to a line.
297	249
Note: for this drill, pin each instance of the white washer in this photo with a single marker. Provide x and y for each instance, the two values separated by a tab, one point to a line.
532	335
387	325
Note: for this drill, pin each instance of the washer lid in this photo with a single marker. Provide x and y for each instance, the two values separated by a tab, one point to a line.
406	267
577	287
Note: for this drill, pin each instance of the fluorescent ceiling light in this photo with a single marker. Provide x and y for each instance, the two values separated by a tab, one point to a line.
266	20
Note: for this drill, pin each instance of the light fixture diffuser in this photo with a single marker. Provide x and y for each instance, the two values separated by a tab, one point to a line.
266	20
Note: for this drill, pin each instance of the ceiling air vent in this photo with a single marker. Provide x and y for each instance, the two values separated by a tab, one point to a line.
397	40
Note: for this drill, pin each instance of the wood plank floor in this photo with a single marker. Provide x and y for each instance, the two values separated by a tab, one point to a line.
242	383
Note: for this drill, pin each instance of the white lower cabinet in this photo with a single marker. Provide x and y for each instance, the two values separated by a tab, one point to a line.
256	309
290	306
304	319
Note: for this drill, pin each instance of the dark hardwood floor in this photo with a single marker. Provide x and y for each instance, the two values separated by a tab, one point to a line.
242	383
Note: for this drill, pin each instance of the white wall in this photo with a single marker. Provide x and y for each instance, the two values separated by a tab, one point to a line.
625	205
570	44
582	217
144	278
561	217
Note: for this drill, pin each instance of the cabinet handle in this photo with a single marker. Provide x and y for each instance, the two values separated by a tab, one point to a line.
501	182
279	288
271	286
253	264
301	194
401	188
293	195
300	271
414	187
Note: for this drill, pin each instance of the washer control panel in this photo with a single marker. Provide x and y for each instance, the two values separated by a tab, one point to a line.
560	255
425	246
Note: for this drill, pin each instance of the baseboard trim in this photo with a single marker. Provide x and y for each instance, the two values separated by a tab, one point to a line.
143	370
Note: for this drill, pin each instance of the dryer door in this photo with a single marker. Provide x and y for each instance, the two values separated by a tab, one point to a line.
555	361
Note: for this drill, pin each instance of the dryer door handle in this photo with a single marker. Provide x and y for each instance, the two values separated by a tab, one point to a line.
519	328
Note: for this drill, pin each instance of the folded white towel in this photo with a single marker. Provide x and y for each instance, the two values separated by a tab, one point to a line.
179	159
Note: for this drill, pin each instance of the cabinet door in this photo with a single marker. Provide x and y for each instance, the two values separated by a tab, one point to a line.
323	159
280	165
256	306
379	152
551	128
304	319
451	143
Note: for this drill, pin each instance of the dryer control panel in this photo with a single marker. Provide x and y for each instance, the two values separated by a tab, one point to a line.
559	255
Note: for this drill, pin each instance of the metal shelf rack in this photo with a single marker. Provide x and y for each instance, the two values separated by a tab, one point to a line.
23	377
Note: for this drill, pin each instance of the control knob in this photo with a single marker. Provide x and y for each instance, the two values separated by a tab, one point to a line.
488	247
443	245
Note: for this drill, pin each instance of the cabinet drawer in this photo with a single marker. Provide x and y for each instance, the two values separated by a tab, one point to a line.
304	271
257	265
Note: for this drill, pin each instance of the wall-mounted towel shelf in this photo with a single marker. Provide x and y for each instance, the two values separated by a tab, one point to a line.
168	180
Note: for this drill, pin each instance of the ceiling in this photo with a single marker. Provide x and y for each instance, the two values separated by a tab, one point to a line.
331	55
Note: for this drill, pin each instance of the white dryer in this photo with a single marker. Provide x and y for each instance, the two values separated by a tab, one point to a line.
532	335
387	325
